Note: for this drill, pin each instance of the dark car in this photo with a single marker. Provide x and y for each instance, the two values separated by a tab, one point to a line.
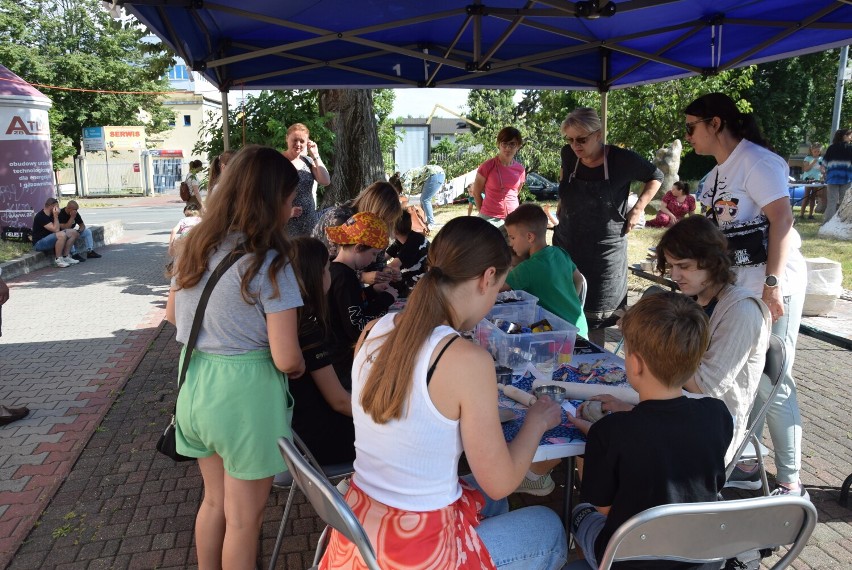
541	187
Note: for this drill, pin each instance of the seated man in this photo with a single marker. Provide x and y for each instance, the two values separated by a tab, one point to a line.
669	448
68	218
48	236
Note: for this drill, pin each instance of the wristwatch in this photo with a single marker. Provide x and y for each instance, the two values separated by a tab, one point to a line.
771	281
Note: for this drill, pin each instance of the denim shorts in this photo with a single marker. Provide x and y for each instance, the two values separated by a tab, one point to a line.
46	243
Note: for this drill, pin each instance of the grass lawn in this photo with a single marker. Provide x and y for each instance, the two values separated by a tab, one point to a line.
639	241
12	249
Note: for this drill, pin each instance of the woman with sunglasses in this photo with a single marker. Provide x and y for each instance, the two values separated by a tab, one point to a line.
747	196
594	218
500	178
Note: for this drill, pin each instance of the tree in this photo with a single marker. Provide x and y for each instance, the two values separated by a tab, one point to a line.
75	43
357	153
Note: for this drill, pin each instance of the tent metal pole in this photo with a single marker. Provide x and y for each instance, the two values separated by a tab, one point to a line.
838	92
226	129
603	115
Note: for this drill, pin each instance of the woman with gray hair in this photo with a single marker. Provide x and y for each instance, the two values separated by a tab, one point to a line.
593	213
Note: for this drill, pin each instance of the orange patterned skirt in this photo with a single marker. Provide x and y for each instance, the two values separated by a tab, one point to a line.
404	540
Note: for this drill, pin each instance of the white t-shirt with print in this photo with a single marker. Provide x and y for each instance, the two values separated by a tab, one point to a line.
748	180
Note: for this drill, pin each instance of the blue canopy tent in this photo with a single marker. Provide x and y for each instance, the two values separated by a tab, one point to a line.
543	44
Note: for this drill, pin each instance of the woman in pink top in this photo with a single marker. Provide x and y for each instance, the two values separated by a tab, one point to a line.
500	178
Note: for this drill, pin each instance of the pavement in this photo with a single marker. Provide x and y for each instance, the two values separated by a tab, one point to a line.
81	485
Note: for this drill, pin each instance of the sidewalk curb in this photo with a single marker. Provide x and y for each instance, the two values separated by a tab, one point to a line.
106	234
44	495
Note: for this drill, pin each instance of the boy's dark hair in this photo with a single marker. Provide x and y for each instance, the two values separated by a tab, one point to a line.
670	332
696	237
403	224
531	217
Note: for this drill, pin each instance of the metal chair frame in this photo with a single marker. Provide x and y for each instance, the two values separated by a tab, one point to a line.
750	447
714	532
329	472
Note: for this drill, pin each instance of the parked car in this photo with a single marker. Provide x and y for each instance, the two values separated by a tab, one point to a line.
541	187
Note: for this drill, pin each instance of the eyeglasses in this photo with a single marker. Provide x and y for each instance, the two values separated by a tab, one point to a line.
580	140
510	145
690	127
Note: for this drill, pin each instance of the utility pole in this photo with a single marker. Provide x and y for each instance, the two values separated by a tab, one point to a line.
838	92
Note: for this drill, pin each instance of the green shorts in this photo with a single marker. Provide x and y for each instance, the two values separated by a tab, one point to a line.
236	407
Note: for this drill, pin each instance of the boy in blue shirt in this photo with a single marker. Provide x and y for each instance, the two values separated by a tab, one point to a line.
668	448
546	271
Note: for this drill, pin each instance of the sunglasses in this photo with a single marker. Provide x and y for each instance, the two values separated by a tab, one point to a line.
690	127
580	140
510	145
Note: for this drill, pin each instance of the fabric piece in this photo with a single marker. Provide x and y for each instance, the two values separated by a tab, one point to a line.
407	540
237	407
730	370
748	180
502	185
549	275
363	228
232	326
410	463
304	199
661	452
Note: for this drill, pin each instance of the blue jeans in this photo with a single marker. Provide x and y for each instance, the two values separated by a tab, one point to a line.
430	188
782	417
86	236
531	538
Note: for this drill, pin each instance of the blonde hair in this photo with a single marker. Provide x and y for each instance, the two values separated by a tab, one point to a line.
584	118
382	199
463	250
298	127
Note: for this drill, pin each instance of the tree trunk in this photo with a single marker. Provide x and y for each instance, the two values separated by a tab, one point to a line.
357	154
840	225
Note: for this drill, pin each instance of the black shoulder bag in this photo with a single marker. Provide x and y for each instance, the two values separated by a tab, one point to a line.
166	445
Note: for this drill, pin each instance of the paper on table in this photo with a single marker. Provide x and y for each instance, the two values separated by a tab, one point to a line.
569	407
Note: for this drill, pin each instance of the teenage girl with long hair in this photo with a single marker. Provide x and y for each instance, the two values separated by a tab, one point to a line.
421	397
233	404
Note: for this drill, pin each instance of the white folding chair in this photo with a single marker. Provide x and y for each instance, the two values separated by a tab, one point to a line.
704	533
584	286
285	480
751	448
328	503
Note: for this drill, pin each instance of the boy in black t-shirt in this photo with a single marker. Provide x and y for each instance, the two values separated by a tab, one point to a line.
409	255
669	448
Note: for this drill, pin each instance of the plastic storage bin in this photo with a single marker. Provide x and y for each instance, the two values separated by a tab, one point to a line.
545	350
520	311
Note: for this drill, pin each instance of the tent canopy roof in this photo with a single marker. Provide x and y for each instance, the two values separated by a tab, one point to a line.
520	44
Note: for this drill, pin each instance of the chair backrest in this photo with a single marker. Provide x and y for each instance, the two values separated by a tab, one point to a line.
584	286
776	361
714	532
327	501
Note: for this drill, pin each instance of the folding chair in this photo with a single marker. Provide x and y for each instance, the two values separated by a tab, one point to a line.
750	448
329	471
704	533
328	503
584	286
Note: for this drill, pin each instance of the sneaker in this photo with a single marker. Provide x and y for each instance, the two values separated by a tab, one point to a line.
60	262
744	480
78	257
542	486
782	491
92	254
70	260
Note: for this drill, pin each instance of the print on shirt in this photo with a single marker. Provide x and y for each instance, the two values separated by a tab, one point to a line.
747	237
726	208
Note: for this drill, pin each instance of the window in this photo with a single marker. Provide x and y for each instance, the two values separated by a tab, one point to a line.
187	120
178	72
173	121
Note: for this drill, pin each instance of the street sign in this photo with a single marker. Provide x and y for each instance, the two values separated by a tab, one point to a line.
93	139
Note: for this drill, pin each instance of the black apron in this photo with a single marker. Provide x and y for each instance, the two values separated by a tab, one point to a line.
592	221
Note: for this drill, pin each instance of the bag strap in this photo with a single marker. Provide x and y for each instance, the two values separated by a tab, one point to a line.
220	270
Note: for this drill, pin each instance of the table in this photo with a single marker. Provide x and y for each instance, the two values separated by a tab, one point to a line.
564	441
637	270
806	186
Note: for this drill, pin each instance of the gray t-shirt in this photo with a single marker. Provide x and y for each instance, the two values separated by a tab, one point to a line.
232	326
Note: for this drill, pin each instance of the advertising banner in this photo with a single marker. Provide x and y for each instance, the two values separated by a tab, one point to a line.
124	138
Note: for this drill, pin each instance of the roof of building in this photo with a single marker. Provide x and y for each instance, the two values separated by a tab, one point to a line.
438	126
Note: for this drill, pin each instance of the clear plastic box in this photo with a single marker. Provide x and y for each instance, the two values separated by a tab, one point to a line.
520	311
545	350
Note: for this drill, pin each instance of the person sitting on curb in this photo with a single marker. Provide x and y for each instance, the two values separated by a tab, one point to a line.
8	415
47	234
68	218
